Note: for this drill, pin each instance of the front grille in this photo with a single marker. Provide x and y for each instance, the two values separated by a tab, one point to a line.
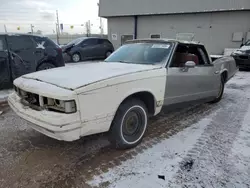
32	99
28	98
243	57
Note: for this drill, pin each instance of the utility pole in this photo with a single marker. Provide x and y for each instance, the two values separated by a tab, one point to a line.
101	27
57	27
88	28
31	28
5	28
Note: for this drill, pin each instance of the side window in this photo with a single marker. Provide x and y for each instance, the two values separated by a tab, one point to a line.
19	43
179	57
155	36
100	41
204	56
2	44
107	42
44	41
90	42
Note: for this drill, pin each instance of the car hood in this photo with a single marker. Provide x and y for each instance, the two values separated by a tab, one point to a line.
76	76
243	50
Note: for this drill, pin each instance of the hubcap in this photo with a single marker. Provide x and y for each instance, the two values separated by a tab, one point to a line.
76	58
108	54
131	124
134	124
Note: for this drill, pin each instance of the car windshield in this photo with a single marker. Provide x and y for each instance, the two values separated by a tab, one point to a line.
141	53
76	41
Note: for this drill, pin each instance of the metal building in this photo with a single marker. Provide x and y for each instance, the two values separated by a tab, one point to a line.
218	24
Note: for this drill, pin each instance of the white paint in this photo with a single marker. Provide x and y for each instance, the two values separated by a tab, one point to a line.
77	76
41	45
166	46
96	103
162	159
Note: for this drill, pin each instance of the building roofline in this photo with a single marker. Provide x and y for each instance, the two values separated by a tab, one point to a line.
177	13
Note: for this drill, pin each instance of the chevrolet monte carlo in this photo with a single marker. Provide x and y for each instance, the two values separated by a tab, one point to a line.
120	93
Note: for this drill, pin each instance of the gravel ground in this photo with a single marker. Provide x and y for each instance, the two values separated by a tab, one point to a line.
199	146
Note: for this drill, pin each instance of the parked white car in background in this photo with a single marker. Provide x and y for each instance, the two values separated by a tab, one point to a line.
119	94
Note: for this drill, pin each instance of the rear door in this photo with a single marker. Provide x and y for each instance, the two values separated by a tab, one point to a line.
22	50
5	73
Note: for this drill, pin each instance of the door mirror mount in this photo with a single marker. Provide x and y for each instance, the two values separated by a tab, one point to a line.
190	64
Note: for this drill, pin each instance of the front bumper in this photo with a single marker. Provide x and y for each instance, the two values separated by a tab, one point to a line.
60	126
242	61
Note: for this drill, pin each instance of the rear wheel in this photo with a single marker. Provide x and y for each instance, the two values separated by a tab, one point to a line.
129	124
221	90
46	66
108	54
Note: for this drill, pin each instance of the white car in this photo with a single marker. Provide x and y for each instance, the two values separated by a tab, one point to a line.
119	94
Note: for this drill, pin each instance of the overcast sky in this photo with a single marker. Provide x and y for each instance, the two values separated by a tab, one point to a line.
42	14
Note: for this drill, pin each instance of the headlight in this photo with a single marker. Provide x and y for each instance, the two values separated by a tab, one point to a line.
60	105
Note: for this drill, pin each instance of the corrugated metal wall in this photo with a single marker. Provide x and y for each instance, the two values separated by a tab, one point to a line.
215	30
141	7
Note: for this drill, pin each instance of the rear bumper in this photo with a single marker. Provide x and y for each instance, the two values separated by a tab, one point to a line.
60	126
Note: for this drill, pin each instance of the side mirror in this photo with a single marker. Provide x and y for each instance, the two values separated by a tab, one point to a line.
190	64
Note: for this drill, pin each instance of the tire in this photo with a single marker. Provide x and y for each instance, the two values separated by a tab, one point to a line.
108	53
46	66
76	57
129	124
221	91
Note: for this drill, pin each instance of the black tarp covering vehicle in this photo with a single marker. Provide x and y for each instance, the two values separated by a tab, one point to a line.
22	54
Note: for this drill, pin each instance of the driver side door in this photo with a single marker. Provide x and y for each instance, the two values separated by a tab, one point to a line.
88	48
189	84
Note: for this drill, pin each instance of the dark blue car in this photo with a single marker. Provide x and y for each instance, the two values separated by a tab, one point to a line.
88	48
23	53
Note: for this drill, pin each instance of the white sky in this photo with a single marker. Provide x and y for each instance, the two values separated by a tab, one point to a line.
42	14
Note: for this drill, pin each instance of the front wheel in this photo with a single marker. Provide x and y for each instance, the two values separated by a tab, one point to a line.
221	91
129	124
108	53
76	57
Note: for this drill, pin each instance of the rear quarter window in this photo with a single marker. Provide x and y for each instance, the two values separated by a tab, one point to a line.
45	42
107	42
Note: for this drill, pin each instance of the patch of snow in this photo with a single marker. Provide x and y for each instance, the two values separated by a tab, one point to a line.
244	48
163	159
4	94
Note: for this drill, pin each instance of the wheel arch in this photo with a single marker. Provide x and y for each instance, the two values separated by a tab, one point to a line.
46	61
224	74
146	97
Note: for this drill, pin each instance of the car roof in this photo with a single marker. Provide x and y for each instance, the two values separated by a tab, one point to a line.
22	34
164	40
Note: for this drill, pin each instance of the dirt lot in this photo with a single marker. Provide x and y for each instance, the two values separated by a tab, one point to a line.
199	146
